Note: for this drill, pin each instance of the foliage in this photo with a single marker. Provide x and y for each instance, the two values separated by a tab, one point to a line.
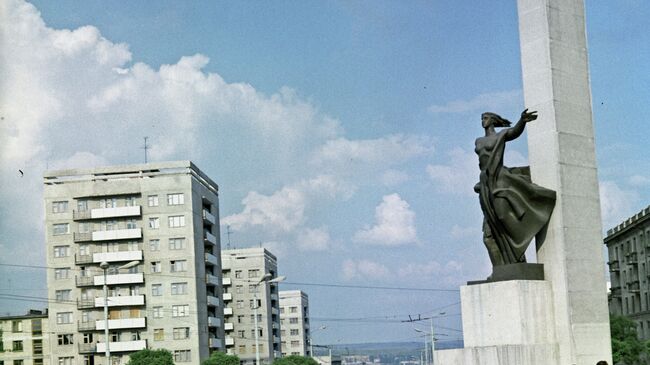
151	357
295	360
626	346
220	358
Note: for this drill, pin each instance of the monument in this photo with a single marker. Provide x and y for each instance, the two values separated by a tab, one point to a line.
563	317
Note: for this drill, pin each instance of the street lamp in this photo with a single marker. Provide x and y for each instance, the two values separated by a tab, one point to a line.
104	266
266	278
433	345
311	344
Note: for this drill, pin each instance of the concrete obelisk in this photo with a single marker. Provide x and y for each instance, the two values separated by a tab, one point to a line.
562	157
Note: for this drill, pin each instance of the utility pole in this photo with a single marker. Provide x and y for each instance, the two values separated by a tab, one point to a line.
433	345
228	233
145	148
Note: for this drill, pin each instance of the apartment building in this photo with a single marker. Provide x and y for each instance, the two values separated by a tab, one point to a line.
247	290
628	248
156	226
294	323
24	340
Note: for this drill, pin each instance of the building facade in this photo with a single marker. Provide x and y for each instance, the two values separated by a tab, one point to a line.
157	227
294	323
245	291
628	248
25	340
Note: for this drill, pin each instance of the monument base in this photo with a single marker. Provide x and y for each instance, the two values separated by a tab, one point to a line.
506	323
520	271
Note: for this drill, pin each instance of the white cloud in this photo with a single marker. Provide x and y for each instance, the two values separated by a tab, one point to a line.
364	270
458	232
394	224
639	180
313	239
616	204
394	177
483	102
458	176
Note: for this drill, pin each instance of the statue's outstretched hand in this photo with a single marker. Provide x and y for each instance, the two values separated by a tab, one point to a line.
527	116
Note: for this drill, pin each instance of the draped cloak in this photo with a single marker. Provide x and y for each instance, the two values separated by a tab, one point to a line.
514	208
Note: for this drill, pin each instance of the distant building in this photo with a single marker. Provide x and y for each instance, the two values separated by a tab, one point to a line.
243	269
294	323
328	360
628	248
161	217
25	340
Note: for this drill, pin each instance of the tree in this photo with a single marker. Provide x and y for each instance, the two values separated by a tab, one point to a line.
151	357
295	360
626	346
220	358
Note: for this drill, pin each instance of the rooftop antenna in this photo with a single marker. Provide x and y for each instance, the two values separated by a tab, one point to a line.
228	232
146	147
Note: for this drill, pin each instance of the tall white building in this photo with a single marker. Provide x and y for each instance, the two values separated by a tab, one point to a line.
243	269
161	221
294	321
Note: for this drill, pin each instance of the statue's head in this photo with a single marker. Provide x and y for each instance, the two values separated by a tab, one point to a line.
493	119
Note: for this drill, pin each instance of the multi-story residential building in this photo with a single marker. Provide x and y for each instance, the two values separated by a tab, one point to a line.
24	340
245	290
628	247
156	226
294	323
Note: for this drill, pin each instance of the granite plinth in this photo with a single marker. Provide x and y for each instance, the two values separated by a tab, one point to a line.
520	271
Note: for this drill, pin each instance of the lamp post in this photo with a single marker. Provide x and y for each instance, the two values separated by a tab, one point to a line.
104	266
433	344
266	278
311	344
426	346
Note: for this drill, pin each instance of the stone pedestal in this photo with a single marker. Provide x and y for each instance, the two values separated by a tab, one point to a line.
506	323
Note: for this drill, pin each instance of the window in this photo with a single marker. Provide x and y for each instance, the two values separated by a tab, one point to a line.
86	317
115	337
108	203
109	225
62	295
255	303
154	223
62	273
294	332
156	290
282	310
157	312
59	207
159	334
61	251
65	339
68	360
252	288
129	201
176	221
63	317
180	310
295	343
60	228
181	333
240	318
259	318
152	200
88	338
84	227
240	304
176	243
16	326
178	265
238	274
239	289
179	288
253	273
17	346
37	327
84	250
18	362
37	347
154	245
82	205
293	309
156	266
175	199
182	356
293	320
130	224
242	349
241	334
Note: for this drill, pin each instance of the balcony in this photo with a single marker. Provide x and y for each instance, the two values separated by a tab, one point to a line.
211	259
211	279
103	213
210	238
85	303
213	301
82	281
227	297
117	234
215	343
123	346
226	281
230	341
117	256
614	266
209	217
616	292
82	237
117	279
86	326
214	322
228	326
274	296
275	311
227	311
633	286
116	324
83	259
121	301
87	348
632	258
276	339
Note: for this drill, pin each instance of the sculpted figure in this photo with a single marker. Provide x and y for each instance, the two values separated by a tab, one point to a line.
515	210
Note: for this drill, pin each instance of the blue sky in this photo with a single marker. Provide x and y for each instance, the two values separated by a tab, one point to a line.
340	133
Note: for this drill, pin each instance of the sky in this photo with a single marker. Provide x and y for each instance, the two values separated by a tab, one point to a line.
340	133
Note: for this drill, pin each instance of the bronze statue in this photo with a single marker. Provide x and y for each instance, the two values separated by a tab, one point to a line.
515	210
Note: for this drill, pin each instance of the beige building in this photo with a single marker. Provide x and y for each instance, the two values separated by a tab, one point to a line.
628	247
24	340
294	322
157	227
242	271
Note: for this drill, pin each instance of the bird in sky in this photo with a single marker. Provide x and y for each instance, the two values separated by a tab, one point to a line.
21	172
